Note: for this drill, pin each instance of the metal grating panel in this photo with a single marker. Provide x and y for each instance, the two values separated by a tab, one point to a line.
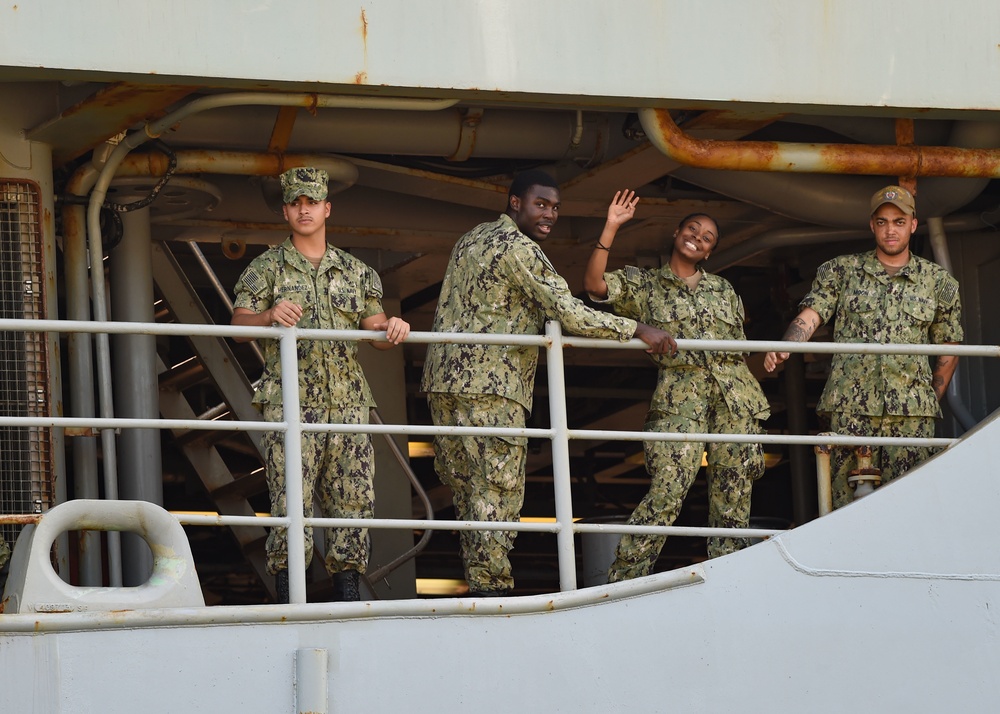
26	476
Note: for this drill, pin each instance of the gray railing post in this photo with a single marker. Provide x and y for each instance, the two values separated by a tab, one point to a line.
293	465
560	458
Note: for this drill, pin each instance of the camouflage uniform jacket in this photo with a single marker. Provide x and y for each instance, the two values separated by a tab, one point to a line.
336	296
712	311
918	305
499	281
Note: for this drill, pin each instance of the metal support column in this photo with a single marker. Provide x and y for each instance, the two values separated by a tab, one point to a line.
135	386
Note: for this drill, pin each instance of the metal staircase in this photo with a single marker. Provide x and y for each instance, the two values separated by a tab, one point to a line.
214	361
229	487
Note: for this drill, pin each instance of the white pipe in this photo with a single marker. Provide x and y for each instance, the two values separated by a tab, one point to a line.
323	612
97	197
939	246
563	491
312	689
295	537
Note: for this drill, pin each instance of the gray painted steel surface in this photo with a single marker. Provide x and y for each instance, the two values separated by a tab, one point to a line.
886	605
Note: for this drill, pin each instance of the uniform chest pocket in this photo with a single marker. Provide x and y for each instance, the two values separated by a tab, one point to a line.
863	304
346	302
724	312
918	309
665	313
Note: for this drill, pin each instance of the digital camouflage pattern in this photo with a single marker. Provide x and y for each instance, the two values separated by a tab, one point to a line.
673	467
883	395
4	552
339	469
894	461
486	477
918	305
499	281
696	392
304	181
337	295
712	311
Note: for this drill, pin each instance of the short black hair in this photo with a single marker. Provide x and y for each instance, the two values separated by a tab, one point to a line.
526	179
718	231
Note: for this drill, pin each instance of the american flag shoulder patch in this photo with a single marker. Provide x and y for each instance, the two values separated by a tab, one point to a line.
253	281
948	293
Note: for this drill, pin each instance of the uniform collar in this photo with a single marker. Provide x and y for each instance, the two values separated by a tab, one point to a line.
508	222
874	266
668	275
331	258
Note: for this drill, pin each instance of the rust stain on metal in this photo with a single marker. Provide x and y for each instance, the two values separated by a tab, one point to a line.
362	76
905	160
282	131
20	519
106	112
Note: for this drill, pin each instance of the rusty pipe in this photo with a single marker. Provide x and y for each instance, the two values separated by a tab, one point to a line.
241	163
824	487
778	156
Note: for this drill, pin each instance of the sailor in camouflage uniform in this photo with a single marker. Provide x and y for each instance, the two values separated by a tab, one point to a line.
499	281
696	391
883	296
307	283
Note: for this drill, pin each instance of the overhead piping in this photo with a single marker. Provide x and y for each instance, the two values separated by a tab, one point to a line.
777	156
153	130
239	163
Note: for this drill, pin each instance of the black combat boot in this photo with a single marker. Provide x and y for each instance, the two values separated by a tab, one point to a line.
281	587
346	586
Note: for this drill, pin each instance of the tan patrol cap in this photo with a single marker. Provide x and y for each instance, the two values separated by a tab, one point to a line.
898	197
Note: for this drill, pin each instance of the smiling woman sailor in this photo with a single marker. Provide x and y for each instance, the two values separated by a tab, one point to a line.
696	392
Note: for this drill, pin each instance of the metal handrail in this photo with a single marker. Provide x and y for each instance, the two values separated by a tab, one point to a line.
558	434
401	459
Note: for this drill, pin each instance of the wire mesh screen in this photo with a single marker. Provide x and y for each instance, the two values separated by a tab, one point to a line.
25	452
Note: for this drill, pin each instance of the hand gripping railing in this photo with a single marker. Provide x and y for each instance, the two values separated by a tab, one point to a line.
559	434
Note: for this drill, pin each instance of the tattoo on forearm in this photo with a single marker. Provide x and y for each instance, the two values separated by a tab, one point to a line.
800	330
943	368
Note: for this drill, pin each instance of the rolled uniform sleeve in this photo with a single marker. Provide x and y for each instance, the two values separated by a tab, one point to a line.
917	305
336	296
712	311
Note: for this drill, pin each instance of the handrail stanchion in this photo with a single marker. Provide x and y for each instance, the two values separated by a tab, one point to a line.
560	458
293	465
824	488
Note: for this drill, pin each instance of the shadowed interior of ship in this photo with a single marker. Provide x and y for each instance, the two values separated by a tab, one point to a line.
423	178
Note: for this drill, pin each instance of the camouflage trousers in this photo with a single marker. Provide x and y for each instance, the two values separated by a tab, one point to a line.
339	469
486	476
673	467
894	461
4	552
